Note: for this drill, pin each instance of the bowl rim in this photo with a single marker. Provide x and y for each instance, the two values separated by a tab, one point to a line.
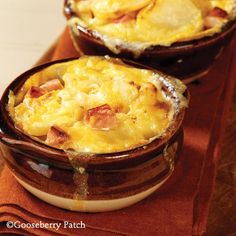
13	137
156	49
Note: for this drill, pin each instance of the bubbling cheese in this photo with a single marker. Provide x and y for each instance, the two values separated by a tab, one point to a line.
137	25
94	104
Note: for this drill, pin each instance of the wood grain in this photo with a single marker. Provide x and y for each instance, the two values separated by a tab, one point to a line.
222	216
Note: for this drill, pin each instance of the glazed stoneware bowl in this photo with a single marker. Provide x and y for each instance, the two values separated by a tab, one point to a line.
89	182
187	60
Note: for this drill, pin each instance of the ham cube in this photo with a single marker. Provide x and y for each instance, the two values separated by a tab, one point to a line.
215	17
56	136
51	85
101	117
218	12
35	92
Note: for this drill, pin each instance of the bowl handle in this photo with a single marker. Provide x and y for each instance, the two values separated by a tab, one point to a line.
12	142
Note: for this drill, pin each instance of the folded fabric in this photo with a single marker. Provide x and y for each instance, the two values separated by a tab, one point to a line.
180	207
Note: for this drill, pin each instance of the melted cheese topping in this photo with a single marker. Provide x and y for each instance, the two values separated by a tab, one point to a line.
140	24
139	110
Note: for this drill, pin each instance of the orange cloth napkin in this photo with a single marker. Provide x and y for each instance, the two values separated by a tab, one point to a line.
180	207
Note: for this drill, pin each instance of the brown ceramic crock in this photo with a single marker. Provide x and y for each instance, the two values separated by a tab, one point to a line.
83	181
185	60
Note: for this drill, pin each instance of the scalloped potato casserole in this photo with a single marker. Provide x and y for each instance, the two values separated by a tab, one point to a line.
140	24
94	104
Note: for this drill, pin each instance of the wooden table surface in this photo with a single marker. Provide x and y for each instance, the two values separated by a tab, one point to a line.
222	216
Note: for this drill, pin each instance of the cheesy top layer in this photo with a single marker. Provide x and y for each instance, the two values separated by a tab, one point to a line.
100	106
137	25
